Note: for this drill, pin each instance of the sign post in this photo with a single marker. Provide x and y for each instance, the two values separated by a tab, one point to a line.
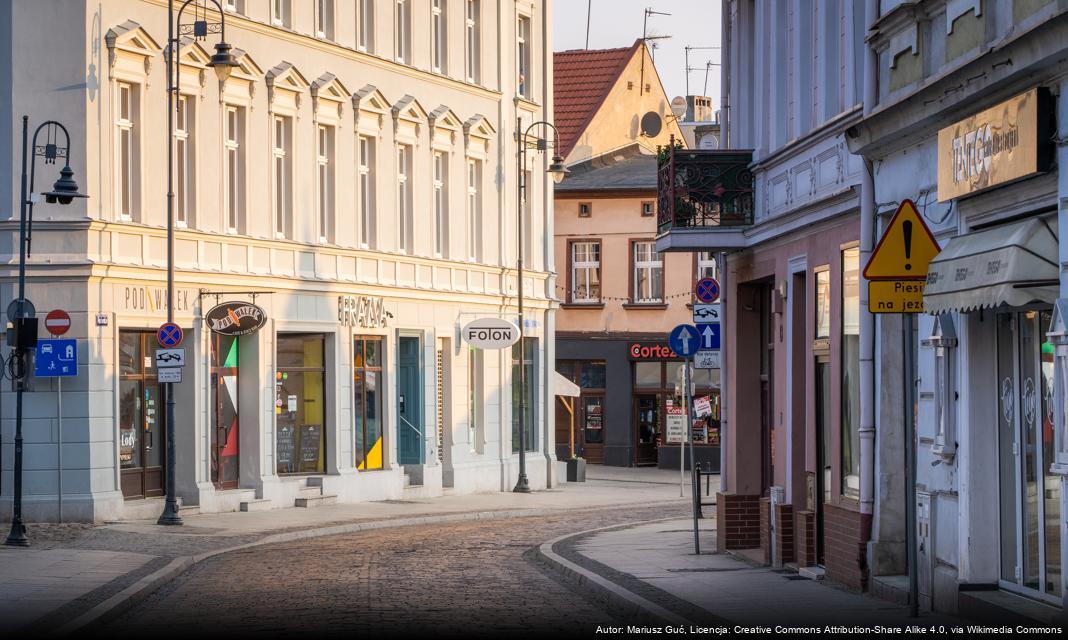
685	340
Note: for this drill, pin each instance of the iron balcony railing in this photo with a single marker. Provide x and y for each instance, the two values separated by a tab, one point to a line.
703	189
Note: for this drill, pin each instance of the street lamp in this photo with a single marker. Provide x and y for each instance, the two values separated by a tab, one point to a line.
64	191
223	61
558	172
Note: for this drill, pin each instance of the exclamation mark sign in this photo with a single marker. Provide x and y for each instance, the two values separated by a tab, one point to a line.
906	227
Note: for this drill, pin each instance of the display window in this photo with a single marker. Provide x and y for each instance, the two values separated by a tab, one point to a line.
367	380
141	434
300	403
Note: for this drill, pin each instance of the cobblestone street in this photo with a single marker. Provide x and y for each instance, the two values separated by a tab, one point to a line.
471	578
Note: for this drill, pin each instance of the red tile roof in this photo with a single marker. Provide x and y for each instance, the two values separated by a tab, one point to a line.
582	79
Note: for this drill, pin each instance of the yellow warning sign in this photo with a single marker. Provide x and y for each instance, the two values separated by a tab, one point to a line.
905	250
895	296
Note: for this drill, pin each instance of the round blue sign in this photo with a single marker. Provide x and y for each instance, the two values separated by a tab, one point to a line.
169	335
684	340
707	290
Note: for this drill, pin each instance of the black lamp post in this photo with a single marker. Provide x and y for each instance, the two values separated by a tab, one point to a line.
64	191
558	171
223	61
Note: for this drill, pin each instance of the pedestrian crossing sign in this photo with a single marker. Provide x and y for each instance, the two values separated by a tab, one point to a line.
906	248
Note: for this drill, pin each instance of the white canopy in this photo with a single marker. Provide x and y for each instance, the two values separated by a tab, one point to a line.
564	387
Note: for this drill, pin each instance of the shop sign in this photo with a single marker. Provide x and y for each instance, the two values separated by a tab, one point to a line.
361	311
235	318
154	299
651	351
675	425
490	333
1006	142
702	406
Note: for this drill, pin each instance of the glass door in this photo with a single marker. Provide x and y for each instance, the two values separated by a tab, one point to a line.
224	444
140	422
647	424
824	449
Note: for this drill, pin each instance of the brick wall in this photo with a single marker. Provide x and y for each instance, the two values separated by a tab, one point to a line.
737	521
845	537
784	524
805	527
765	529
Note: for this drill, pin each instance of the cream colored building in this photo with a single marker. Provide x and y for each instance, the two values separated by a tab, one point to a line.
355	178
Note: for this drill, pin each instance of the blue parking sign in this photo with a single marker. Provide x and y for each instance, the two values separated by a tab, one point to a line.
56	358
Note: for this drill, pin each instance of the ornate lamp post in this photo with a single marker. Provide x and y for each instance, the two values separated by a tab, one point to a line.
223	61
558	171
64	191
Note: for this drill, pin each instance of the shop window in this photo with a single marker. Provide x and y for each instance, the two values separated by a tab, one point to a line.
530	373
648	375
593	419
300	404
224	411
141	436
850	419
823	302
367	406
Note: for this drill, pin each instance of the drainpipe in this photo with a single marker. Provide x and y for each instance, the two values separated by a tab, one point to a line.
867	320
725	76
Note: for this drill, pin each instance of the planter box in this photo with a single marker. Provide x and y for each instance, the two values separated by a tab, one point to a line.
576	470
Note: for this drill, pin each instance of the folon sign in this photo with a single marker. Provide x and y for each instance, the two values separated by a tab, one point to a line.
490	333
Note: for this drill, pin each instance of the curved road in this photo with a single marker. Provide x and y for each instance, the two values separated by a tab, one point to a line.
470	579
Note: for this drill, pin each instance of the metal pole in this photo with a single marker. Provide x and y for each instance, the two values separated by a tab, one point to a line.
521	485
589	10
910	449
59	449
17	536
694	490
170	510
721	271
682	465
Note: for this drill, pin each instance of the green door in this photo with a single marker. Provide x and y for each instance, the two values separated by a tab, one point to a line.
409	401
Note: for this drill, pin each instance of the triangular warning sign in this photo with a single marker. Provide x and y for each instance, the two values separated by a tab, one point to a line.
905	250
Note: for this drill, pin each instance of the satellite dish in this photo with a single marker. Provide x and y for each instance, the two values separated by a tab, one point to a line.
651	124
678	106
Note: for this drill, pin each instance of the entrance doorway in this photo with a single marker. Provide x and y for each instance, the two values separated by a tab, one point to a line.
141	403
1029	495
409	401
224	412
647	423
823	449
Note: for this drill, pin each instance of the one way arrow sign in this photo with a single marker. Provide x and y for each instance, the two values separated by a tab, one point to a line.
709	335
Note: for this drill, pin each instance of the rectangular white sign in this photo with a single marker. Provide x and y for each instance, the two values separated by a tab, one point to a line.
702	406
706	359
173	374
675	425
170	358
706	313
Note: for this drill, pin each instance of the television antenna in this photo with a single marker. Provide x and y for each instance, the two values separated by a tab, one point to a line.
645	38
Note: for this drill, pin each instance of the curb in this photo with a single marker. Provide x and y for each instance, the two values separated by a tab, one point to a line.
599	586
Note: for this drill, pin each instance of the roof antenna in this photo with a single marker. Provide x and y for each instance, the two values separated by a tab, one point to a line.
589	10
689	68
645	36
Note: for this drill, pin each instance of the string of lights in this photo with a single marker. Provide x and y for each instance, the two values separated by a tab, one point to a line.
562	290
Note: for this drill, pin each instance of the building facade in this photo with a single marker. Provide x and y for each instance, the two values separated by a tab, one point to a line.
355	178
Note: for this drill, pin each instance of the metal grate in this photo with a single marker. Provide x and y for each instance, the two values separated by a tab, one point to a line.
441	404
703	188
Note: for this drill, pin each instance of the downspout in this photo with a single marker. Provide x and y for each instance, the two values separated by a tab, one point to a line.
725	77
867	319
721	259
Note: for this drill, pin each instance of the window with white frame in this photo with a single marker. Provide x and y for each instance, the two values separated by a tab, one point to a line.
472	44
235	6
127	134
523	43
402	30
706	265
282	13
234	147
474	209
441	203
283	175
648	208
438	35
365	25
324	19
586	272
185	161
366	186
324	166
528	219
648	274
404	198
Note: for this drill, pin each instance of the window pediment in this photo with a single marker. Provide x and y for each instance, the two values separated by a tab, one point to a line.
444	125
327	92
129	40
286	79
369	108
408	115
477	134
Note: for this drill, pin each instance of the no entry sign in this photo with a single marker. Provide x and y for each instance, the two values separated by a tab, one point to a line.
57	322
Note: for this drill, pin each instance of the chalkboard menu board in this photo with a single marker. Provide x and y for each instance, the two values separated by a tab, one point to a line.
311	438
287	445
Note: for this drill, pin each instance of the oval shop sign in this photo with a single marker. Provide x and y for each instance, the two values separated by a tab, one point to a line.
236	318
490	333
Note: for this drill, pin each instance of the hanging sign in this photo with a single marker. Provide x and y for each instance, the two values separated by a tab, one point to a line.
235	318
490	333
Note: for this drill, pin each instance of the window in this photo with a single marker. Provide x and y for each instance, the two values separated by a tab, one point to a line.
585	272
441	204
367	191
472	46
404	198
365	25
367	379
141	436
402	29
706	265
235	6
224	405
324	165
474	209
823	302
648	274
324	19
474	399
235	168
439	30
128	149
851	372
585	209
530	385
300	403
528	220
523	57
283	175
282	13
185	161
648	208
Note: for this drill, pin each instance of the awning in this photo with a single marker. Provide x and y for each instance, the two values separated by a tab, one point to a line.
1013	264
564	387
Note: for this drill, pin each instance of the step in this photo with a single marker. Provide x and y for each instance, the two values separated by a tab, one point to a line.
314	501
313	481
812	573
259	504
188	510
407	480
310	492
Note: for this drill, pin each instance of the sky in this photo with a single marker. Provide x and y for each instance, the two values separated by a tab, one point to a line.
617	23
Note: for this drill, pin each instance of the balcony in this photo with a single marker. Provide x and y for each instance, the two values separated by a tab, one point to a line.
705	199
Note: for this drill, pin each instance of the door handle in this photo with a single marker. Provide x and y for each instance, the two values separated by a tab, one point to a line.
402	403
